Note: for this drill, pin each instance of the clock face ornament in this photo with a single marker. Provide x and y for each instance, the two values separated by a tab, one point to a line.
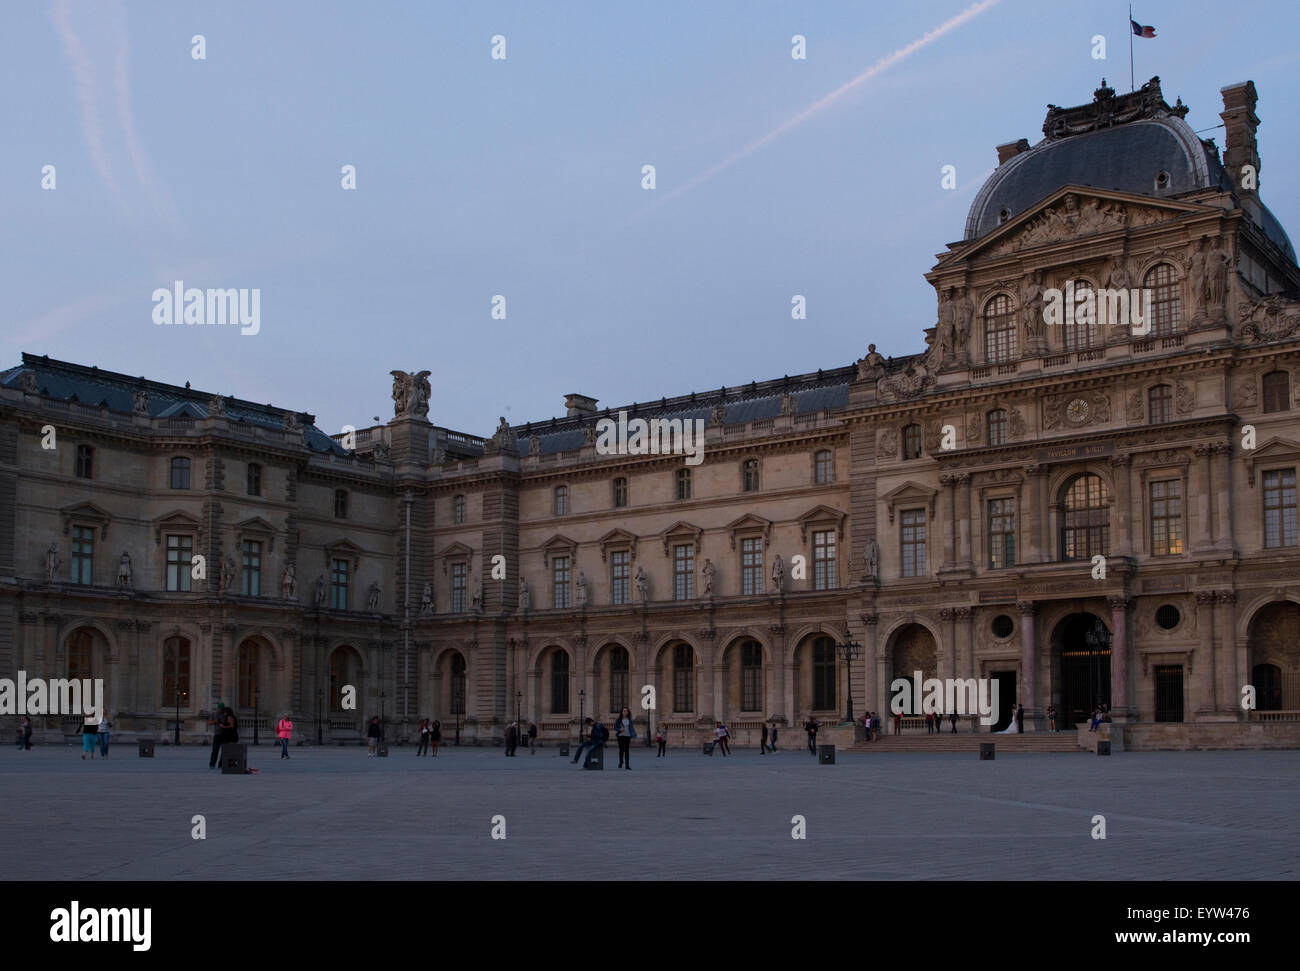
1076	412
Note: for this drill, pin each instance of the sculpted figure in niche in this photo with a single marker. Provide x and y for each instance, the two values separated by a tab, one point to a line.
525	599
227	573
372	597
426	600
124	570
580	589
140	403
318	595
642	584
1032	307
476	594
52	562
963	312
1219	264
778	574
1197	265
708	574
872	556
289	583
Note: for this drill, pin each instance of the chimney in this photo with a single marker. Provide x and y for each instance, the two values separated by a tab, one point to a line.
1012	149
579	404
1239	124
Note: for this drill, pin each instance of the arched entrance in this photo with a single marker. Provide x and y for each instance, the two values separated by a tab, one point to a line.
1273	650
816	674
742	680
913	650
1081	648
612	674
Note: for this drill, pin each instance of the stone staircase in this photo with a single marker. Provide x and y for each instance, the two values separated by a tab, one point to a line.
1028	742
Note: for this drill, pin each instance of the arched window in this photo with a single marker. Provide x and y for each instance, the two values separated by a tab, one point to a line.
1160	404
458	509
80	655
559	683
1080	329
996	422
911	442
823	674
344	671
1085	518
823	467
1166	299
1277	391
180	473
999	330
751	676
561	500
683	678
458	685
176	672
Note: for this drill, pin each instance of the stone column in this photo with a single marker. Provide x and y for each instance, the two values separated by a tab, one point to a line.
1224	534
1028	688
870	669
948	516
966	624
946	648
1035	517
1203	541
1232	653
1121	710
963	516
790	714
1123	536
1205	654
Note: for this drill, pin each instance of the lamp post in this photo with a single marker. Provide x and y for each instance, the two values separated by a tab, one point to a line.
850	650
254	714
582	711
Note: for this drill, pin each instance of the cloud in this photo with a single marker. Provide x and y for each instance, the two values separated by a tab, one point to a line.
84	86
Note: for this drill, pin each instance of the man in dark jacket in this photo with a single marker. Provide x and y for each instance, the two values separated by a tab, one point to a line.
221	722
599	735
374	734
512	738
587	744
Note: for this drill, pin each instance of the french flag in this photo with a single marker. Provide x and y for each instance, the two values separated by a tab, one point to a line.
1141	31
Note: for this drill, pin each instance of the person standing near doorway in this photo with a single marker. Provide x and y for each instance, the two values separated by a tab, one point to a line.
811	727
435	737
662	739
624	731
89	735
373	734
1020	719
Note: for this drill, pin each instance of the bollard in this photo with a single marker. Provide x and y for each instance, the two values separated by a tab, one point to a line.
986	751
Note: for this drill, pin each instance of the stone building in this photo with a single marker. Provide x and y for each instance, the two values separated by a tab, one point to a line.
1096	507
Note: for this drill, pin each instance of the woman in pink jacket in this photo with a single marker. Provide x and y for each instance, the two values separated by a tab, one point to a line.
285	730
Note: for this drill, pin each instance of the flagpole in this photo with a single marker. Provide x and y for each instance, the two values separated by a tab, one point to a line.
1132	85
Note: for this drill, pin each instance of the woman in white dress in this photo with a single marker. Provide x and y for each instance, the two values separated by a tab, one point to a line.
1011	728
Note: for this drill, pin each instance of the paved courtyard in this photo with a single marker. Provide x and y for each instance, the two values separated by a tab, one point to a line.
337	814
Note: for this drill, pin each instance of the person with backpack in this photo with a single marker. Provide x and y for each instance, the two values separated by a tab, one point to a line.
624	731
284	730
596	746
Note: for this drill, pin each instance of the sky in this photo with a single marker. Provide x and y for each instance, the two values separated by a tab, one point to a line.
523	177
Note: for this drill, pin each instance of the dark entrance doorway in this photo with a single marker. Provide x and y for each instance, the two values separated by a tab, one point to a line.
1267	679
1082	642
1169	692
1006	698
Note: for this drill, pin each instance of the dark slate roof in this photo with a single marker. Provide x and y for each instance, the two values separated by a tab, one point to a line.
63	381
815	392
1125	157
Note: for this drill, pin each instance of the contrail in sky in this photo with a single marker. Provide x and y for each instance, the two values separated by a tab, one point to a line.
970	13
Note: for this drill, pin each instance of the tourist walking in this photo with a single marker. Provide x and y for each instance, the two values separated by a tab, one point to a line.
512	739
762	741
662	739
435	737
953	718
284	731
720	736
1051	718
624	731
772	743
373	734
25	735
811	727
532	738
424	738
89	735
104	728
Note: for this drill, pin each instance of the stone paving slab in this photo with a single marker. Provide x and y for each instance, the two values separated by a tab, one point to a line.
337	814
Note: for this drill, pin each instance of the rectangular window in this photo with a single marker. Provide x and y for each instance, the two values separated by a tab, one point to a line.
1280	508
83	554
85	461
751	677
1160	404
749	475
913	536
683	571
180	473
339	584
254	479
751	566
620	493
683	483
180	555
1169	692
1167	518
176	672
340	504
458	510
824	469
912	442
1002	533
560	582
824	560
618	675
620	577
823	674
458	588
251	581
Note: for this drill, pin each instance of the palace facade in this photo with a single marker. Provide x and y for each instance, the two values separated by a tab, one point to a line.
1099	509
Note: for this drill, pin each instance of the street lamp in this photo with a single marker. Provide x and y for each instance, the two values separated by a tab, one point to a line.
582	711
850	650
176	679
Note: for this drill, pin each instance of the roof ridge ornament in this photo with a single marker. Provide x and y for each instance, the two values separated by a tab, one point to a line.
1108	109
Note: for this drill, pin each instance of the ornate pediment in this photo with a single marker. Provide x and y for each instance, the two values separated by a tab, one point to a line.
175	520
617	539
1270	319
681	532
455	553
910	493
819	515
558	545
255	528
1274	450
343	549
749	523
85	513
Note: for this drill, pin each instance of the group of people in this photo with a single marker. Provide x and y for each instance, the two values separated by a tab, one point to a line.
1099	714
515	731
93	734
430	737
598	735
225	730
